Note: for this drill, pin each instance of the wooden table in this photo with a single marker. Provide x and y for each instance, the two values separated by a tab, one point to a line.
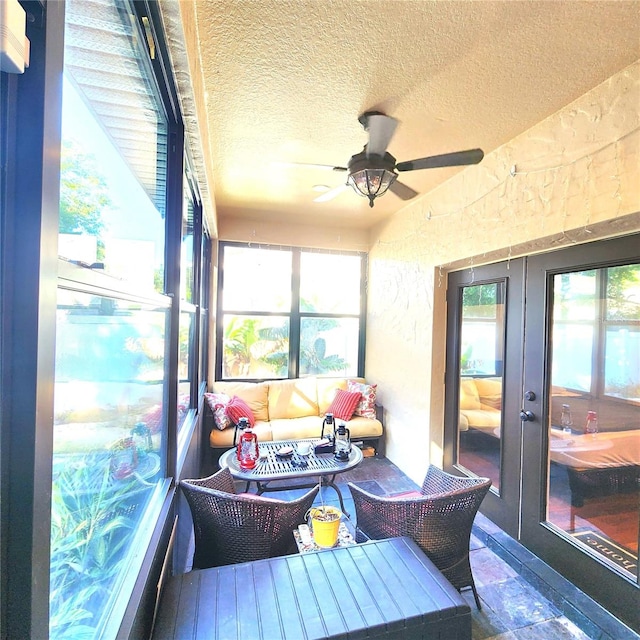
380	589
271	467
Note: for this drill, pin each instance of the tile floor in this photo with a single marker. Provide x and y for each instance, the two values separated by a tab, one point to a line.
505	574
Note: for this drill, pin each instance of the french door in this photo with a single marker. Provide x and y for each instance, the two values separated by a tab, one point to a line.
484	383
543	397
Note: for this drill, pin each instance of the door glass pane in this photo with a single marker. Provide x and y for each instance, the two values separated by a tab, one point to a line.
594	417
481	364
575	312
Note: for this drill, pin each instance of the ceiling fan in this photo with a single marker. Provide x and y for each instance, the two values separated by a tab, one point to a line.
373	171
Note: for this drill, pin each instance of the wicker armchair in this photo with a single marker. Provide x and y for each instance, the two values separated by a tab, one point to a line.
439	520
231	528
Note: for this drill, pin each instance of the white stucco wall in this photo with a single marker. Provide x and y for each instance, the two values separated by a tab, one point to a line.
576	179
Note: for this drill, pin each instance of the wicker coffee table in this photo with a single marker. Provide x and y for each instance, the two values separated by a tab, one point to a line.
271	468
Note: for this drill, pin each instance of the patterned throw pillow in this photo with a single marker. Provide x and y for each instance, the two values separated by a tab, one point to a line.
344	404
218	404
367	405
238	408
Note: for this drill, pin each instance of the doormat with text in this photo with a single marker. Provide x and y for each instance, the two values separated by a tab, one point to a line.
609	549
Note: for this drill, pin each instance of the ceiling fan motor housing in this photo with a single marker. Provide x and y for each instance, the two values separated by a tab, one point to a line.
363	161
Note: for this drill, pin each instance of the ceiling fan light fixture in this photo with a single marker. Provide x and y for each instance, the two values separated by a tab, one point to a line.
371	183
371	176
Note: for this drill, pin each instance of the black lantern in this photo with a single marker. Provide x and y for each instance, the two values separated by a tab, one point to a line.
243	423
342	443
330	424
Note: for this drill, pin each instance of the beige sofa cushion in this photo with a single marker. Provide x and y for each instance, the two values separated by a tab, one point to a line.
469	398
480	403
311	427
326	389
224	438
363	427
292	398
296	428
256	395
490	392
485	419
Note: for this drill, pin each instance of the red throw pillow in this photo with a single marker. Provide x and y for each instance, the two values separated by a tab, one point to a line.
238	408
344	404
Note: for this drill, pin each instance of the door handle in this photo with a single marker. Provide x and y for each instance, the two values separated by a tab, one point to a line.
527	416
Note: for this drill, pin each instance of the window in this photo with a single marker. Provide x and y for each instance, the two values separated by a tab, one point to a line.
622	333
205	294
114	145
111	370
108	457
289	312
187	328
482	330
329	307
596	340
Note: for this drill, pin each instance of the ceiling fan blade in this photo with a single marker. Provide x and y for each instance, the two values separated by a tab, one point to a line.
381	129
455	159
403	191
309	165
332	193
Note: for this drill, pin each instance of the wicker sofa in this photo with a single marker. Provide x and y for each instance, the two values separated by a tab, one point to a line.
291	409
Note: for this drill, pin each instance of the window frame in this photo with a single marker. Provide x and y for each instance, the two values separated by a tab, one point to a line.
31	274
85	281
192	307
294	314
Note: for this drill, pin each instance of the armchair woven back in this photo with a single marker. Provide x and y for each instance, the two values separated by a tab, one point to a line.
231	528
439	520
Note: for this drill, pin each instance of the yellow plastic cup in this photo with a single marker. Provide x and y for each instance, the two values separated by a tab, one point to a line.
325	522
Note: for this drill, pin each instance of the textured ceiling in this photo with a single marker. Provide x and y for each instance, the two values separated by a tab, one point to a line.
286	80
